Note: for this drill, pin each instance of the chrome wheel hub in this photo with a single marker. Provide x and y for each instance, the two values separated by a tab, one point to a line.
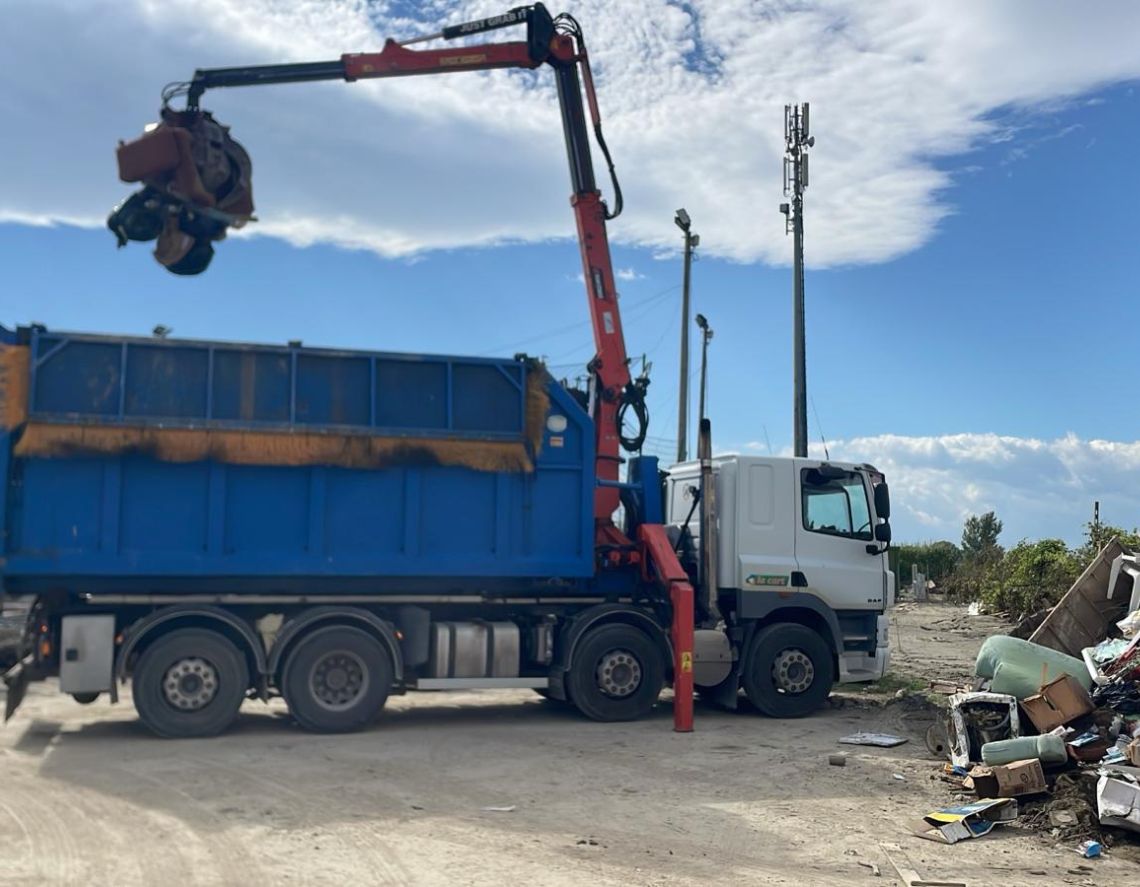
338	680
190	684
793	671
618	674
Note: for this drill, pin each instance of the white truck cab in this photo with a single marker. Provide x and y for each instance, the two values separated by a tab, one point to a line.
801	574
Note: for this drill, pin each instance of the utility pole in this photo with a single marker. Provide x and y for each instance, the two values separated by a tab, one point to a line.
706	337
797	141
682	220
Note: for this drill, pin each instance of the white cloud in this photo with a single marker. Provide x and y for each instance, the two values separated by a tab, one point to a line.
1037	487
692	96
628	274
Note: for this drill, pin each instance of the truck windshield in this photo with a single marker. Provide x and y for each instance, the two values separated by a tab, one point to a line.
836	506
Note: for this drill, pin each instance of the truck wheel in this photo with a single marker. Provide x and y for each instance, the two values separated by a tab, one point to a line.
190	682
789	671
617	674
337	680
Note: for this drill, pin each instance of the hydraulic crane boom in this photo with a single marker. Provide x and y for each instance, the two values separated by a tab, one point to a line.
557	42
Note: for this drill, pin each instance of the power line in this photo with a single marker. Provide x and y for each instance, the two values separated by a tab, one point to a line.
557	331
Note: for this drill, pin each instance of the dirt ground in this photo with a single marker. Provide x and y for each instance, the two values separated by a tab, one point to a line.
88	797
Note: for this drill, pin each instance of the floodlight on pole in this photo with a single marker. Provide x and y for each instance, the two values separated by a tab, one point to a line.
706	337
681	220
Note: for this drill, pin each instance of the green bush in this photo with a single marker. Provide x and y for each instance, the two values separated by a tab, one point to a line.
1030	576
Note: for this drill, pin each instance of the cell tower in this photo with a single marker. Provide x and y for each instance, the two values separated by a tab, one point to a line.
797	140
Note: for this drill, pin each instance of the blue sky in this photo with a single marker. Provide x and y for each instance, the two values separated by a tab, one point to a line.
962	290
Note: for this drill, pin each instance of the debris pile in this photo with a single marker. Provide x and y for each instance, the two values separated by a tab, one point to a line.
1048	739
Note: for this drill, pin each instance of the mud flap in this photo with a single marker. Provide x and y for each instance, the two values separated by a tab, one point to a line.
16	680
726	694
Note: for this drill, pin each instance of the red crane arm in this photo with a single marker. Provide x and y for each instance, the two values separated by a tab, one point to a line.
561	47
559	43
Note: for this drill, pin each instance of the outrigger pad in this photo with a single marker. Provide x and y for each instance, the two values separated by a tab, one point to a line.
16	679
197	184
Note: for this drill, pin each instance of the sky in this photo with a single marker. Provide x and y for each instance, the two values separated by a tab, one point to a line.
971	219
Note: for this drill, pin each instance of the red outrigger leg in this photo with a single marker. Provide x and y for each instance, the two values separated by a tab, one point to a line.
662	565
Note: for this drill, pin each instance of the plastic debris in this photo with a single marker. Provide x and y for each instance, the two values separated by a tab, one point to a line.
1020	668
1089	849
880	740
1118	800
1048	749
1130	624
509	809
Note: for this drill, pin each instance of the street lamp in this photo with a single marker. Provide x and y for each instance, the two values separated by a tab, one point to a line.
681	220
706	337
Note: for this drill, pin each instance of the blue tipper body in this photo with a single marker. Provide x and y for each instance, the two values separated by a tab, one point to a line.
133	522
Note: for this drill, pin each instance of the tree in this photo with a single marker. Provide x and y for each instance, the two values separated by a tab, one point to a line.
936	560
1098	535
1031	575
980	538
980	561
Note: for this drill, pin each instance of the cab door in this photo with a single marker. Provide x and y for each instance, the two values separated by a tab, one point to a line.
834	527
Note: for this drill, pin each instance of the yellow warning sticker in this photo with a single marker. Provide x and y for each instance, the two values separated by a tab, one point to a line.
686	661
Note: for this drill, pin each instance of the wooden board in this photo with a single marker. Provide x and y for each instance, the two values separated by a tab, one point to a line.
1082	617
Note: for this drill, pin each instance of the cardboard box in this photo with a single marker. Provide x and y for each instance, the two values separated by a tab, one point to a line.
1133	753
1088	750
953	824
1008	780
1058	703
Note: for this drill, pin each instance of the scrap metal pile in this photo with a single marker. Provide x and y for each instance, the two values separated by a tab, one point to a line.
1055	726
197	183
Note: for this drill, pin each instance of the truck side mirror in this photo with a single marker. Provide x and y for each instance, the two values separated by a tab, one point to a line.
882	500
883	533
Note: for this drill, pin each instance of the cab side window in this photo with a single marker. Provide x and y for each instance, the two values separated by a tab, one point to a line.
836	506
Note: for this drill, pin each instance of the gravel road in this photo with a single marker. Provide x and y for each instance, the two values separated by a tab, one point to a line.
88	797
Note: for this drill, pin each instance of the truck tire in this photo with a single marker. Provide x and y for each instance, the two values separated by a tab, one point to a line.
789	670
616	675
190	682
337	679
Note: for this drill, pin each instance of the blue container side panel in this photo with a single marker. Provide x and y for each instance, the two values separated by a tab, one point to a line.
162	506
365	513
488	398
267	511
62	507
166	382
247	386
134	517
116	380
412	395
58	363
333	390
